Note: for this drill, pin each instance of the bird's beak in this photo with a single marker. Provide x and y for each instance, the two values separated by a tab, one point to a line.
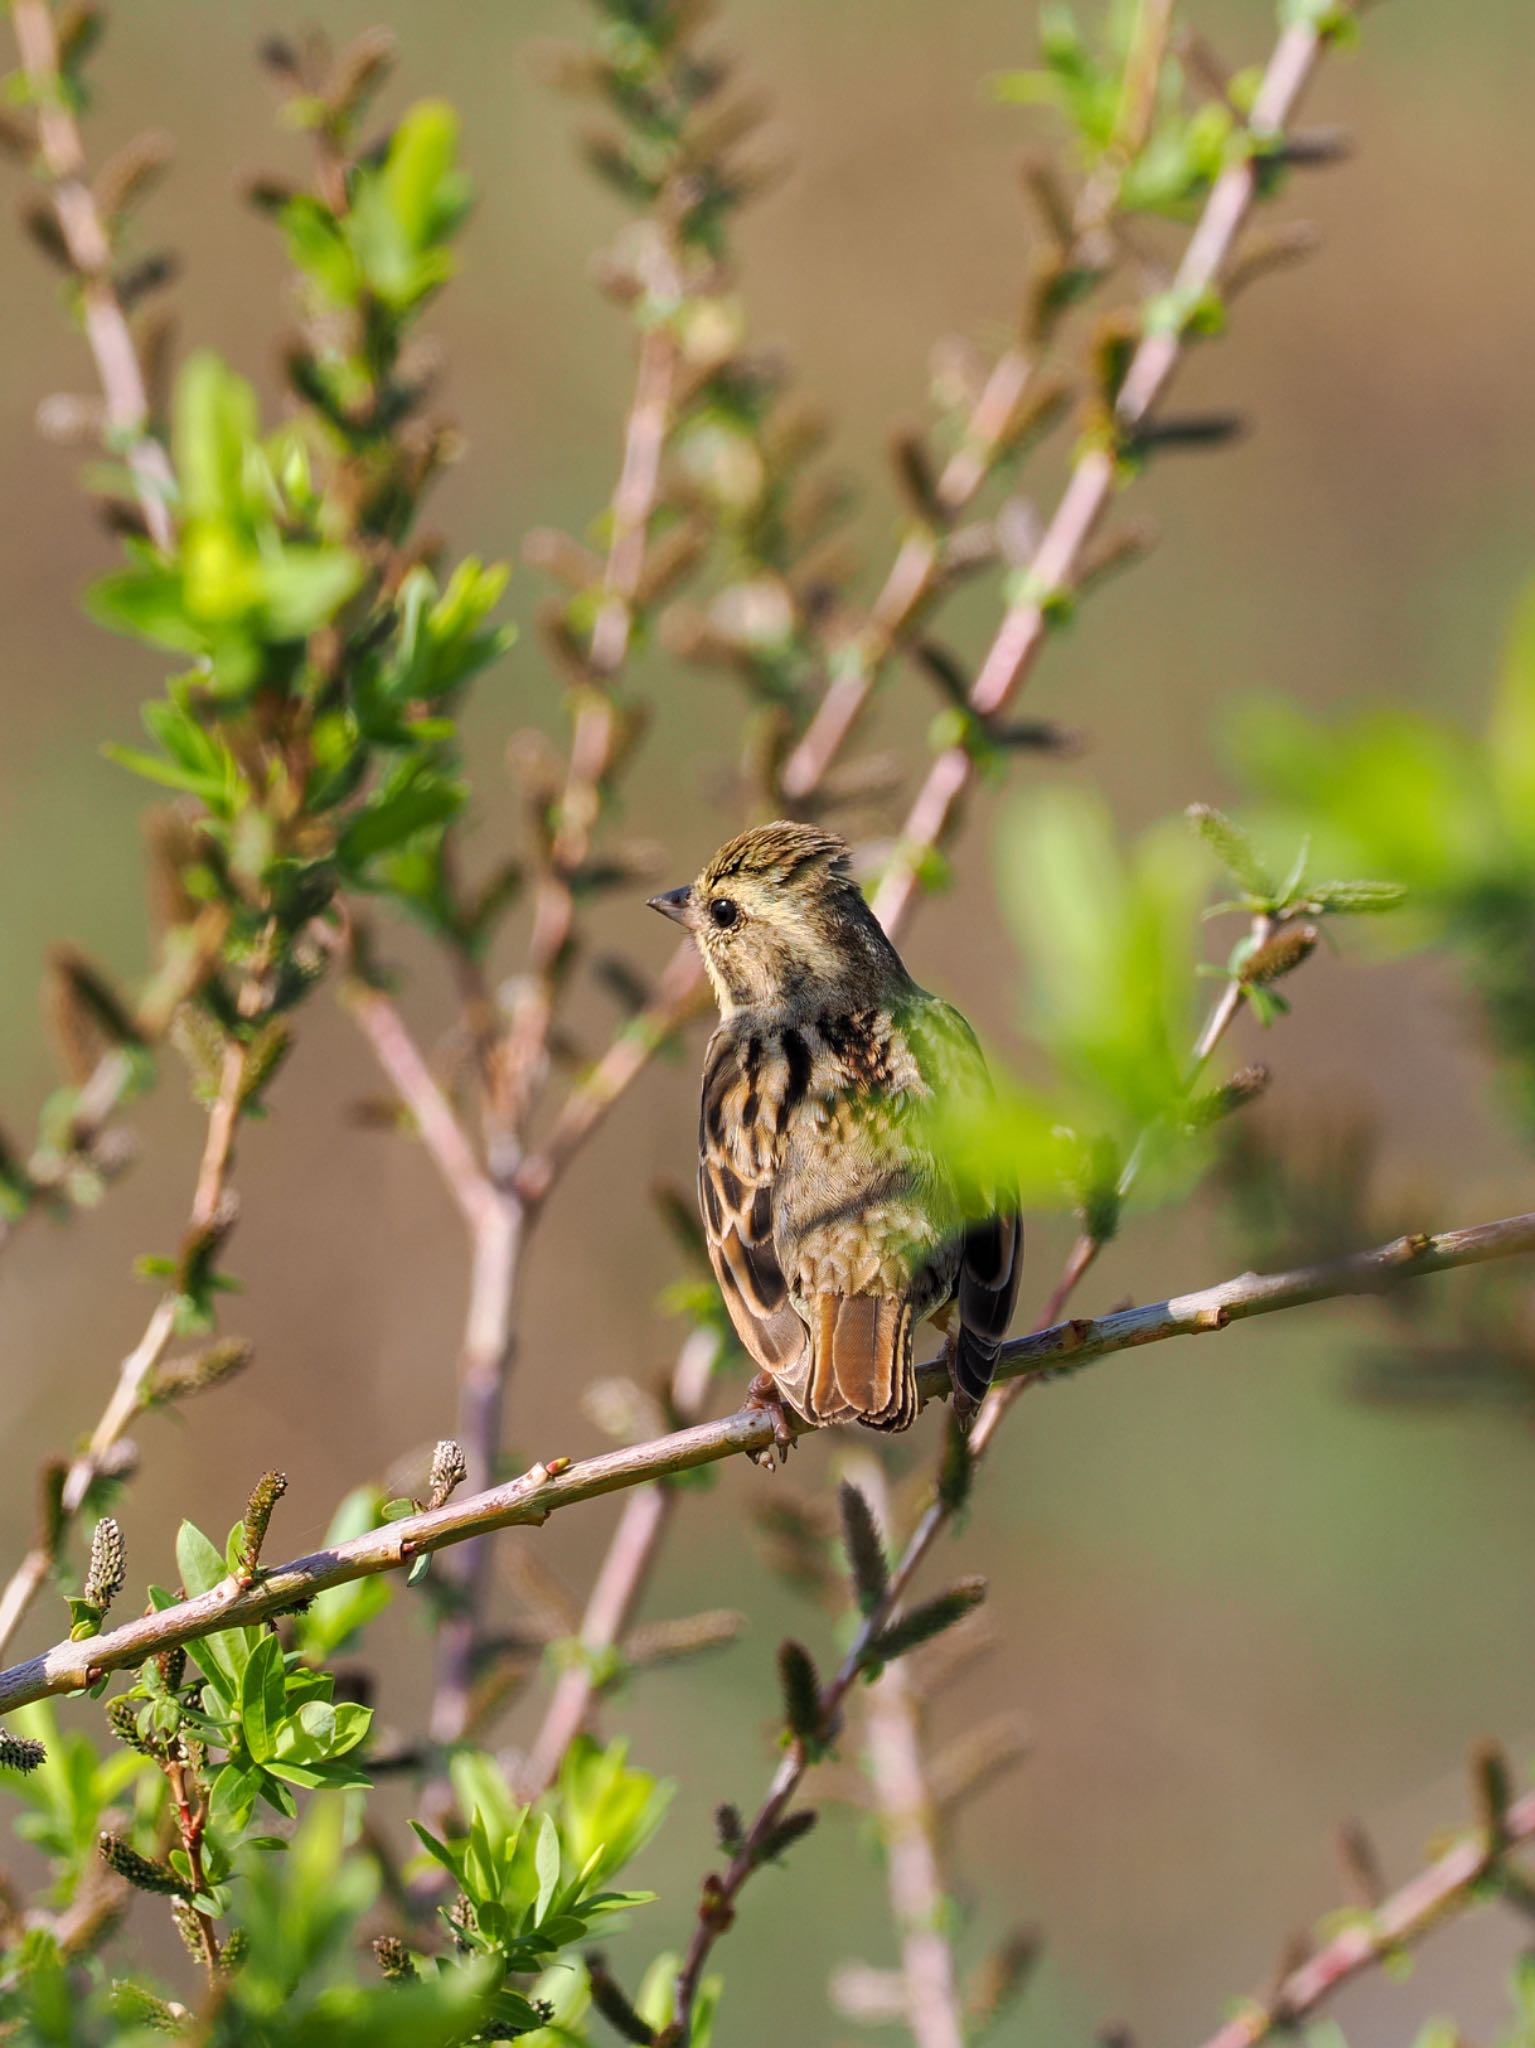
674	904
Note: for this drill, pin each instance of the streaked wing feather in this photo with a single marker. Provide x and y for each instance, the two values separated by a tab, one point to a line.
738	1162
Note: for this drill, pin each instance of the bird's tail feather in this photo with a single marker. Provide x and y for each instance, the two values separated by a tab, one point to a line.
862	1366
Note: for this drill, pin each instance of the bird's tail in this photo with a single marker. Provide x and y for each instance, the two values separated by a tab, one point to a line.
861	1368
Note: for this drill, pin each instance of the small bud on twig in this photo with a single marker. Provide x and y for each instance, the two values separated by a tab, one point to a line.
179	1378
915	475
976	1759
121	1856
661	1642
123	1720
613	2004
922	1623
20	1752
801	1691
864	1546
1494	1792
265	1494
791	1829
394	1959
1280	955
1001	1977
450	1469
108	1567
956	1473
1245	1086
1361	1865
189	1927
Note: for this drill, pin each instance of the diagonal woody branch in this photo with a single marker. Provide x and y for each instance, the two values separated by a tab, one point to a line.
1443	1887
211	1211
90	251
1056	561
545	1488
908	1824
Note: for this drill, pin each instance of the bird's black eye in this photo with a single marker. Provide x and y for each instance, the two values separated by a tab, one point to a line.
723	913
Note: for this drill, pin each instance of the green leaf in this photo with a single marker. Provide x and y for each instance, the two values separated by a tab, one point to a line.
215	432
419	797
547	1864
262	1699
450	1862
480	1787
234	1793
318	247
352	1725
405	211
147	603
1233	848
304	586
225	1655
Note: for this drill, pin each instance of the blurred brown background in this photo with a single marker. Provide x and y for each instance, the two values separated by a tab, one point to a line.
1236	1604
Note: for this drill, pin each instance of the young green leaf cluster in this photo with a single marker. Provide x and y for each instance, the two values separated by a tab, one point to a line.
1449	816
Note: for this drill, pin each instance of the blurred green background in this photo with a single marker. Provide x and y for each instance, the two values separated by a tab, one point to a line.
1234	1602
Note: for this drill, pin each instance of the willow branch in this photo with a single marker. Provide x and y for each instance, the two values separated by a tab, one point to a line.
49	1168
680	995
446	1141
1056	561
546	1488
521	1051
1030	1361
620	1583
908	1824
137	1369
1447	1885
599	723
915	576
90	251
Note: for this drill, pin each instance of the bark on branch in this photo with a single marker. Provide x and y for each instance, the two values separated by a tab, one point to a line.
546	1487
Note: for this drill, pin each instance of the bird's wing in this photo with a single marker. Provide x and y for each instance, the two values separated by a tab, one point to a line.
991	1247
747	1086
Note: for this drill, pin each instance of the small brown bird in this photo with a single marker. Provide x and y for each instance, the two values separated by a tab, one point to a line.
833	1226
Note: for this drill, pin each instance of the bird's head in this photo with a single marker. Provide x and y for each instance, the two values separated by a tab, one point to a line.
782	926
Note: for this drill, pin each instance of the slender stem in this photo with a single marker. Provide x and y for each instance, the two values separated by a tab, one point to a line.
620	1582
190	1822
908	1820
485	1363
680	994
446	1141
598	722
1406	1916
1090	490
90	251
546	1488
516	1058
914	578
137	1369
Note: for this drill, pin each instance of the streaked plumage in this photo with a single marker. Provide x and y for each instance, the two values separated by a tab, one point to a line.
833	1226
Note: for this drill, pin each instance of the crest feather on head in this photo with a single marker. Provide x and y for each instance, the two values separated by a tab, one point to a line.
778	852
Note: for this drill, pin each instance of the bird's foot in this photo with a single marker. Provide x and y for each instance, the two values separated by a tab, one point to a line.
763	1393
